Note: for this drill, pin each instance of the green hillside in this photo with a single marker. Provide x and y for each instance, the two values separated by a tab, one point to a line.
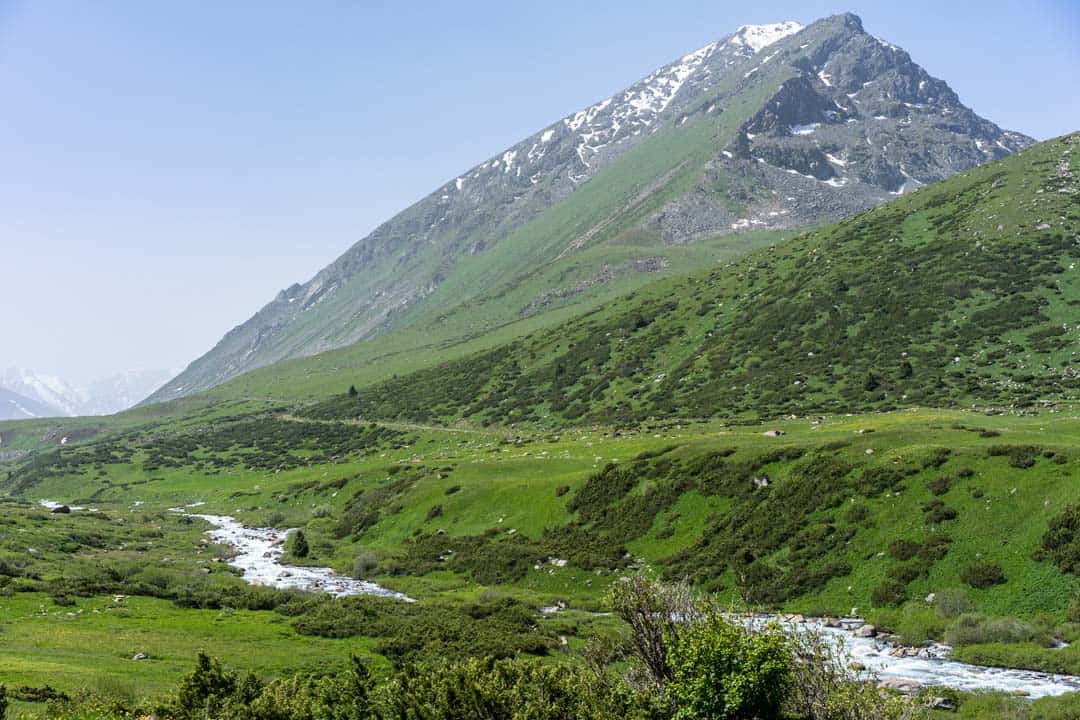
762	430
962	294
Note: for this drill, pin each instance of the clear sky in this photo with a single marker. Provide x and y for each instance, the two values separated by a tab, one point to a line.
167	167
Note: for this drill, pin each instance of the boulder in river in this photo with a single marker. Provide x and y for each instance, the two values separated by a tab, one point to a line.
866	631
904	686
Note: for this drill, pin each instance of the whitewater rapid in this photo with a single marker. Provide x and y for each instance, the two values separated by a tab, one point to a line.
932	667
258	557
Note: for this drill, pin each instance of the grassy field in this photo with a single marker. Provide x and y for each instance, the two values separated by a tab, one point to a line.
508	500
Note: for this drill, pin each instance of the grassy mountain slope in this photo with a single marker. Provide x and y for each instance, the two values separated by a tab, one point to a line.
962	293
819	124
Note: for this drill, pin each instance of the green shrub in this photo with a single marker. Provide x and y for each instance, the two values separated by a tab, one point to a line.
952	602
936	512
722	671
916	623
983	575
345	696
211	691
939	485
273	519
364	565
1020	456
888	594
904	549
1060	707
976	629
856	514
1061	542
486	688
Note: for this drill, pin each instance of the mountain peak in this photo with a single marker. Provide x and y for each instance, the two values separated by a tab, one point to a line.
828	122
848	19
758	37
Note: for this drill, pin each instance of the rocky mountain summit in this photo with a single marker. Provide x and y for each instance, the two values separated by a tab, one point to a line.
771	127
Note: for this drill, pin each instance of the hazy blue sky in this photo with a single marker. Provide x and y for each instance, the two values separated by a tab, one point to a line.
169	166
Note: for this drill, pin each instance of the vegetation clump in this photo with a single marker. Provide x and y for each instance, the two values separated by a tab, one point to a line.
1061	543
983	575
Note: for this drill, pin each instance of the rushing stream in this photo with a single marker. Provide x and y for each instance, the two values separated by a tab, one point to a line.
259	552
932	666
258	555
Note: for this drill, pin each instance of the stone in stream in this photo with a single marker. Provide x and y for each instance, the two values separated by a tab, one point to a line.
941	703
866	631
904	686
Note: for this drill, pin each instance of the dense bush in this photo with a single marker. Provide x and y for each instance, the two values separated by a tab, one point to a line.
939	485
364	565
975	629
510	689
722	671
1020	456
952	602
1061	542
410	632
983	575
888	593
904	549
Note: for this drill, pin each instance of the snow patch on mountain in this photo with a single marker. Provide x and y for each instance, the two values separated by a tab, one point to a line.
759	37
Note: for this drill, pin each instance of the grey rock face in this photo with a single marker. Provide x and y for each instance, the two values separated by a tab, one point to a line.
859	117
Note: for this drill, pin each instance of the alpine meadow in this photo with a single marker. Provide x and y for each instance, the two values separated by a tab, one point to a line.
751	391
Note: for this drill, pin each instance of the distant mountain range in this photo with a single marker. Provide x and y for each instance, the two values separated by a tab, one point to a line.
772	127
31	394
14	406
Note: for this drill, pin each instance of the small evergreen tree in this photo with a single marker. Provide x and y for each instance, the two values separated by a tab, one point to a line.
298	544
352	391
871	381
